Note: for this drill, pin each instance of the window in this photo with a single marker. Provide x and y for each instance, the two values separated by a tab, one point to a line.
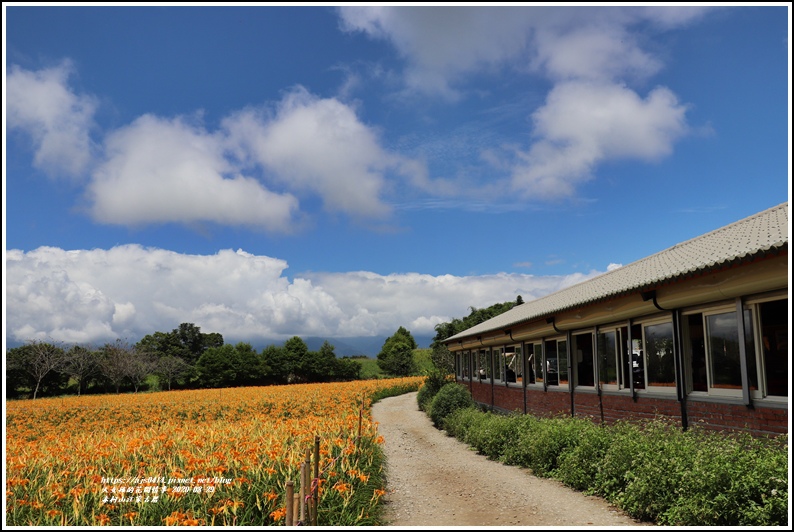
711	349
464	370
511	363
531	365
483	363
583	361
773	327
556	363
538	363
658	339
609	368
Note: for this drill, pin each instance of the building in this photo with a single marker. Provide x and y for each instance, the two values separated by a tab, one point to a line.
658	336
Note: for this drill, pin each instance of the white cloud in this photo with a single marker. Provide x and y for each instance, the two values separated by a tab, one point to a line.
159	170
590	54
249	172
440	44
318	145
95	296
57	120
583	124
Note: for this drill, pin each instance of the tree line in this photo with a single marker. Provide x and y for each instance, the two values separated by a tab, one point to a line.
182	358
189	358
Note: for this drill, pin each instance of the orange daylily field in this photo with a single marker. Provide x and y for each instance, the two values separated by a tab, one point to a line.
194	457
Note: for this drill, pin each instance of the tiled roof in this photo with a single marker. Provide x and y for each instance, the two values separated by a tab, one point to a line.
742	240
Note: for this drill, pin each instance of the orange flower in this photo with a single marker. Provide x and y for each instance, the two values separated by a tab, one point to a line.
103	519
278	515
342	487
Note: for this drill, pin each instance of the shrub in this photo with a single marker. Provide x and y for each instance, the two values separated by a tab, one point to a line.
579	465
461	421
434	381
737	480
449	398
490	435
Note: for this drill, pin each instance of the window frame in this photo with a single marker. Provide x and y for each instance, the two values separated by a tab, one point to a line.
715	391
669	389
546	361
761	393
575	359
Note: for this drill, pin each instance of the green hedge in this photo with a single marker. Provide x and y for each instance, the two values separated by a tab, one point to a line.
653	471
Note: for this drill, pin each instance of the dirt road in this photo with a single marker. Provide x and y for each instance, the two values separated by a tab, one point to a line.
435	480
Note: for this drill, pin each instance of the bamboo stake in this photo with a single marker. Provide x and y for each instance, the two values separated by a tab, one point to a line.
302	495
316	498
296	500
289	502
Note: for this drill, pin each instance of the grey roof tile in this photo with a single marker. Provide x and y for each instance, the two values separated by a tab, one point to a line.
744	239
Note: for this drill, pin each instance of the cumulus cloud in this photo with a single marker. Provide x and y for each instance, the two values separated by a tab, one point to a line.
249	172
307	144
159	170
57	120
583	124
591	55
441	44
95	296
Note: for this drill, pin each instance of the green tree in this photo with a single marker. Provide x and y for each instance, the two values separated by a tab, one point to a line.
476	316
170	368
81	364
36	365
275	360
230	365
186	342
396	355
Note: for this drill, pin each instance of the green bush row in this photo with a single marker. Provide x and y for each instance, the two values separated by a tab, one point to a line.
653	471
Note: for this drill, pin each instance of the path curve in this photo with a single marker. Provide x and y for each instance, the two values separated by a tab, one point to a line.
435	480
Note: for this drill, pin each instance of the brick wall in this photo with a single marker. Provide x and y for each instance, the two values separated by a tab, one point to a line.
610	408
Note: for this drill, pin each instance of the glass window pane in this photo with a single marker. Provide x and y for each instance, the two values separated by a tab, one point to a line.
583	358
538	356
607	358
659	354
562	357
774	339
723	343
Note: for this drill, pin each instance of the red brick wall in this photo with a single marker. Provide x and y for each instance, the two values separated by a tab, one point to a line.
716	416
720	416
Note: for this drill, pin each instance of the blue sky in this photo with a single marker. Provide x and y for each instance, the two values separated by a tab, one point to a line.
265	172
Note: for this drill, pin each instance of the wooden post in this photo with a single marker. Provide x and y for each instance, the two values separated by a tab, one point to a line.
296	501
302	494
289	502
316	480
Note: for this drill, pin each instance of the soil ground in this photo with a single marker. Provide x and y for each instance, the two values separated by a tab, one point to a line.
435	480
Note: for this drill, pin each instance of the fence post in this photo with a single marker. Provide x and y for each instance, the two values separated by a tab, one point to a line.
316	481
302	495
289	502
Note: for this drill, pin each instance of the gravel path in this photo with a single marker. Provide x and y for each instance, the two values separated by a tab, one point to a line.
435	480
